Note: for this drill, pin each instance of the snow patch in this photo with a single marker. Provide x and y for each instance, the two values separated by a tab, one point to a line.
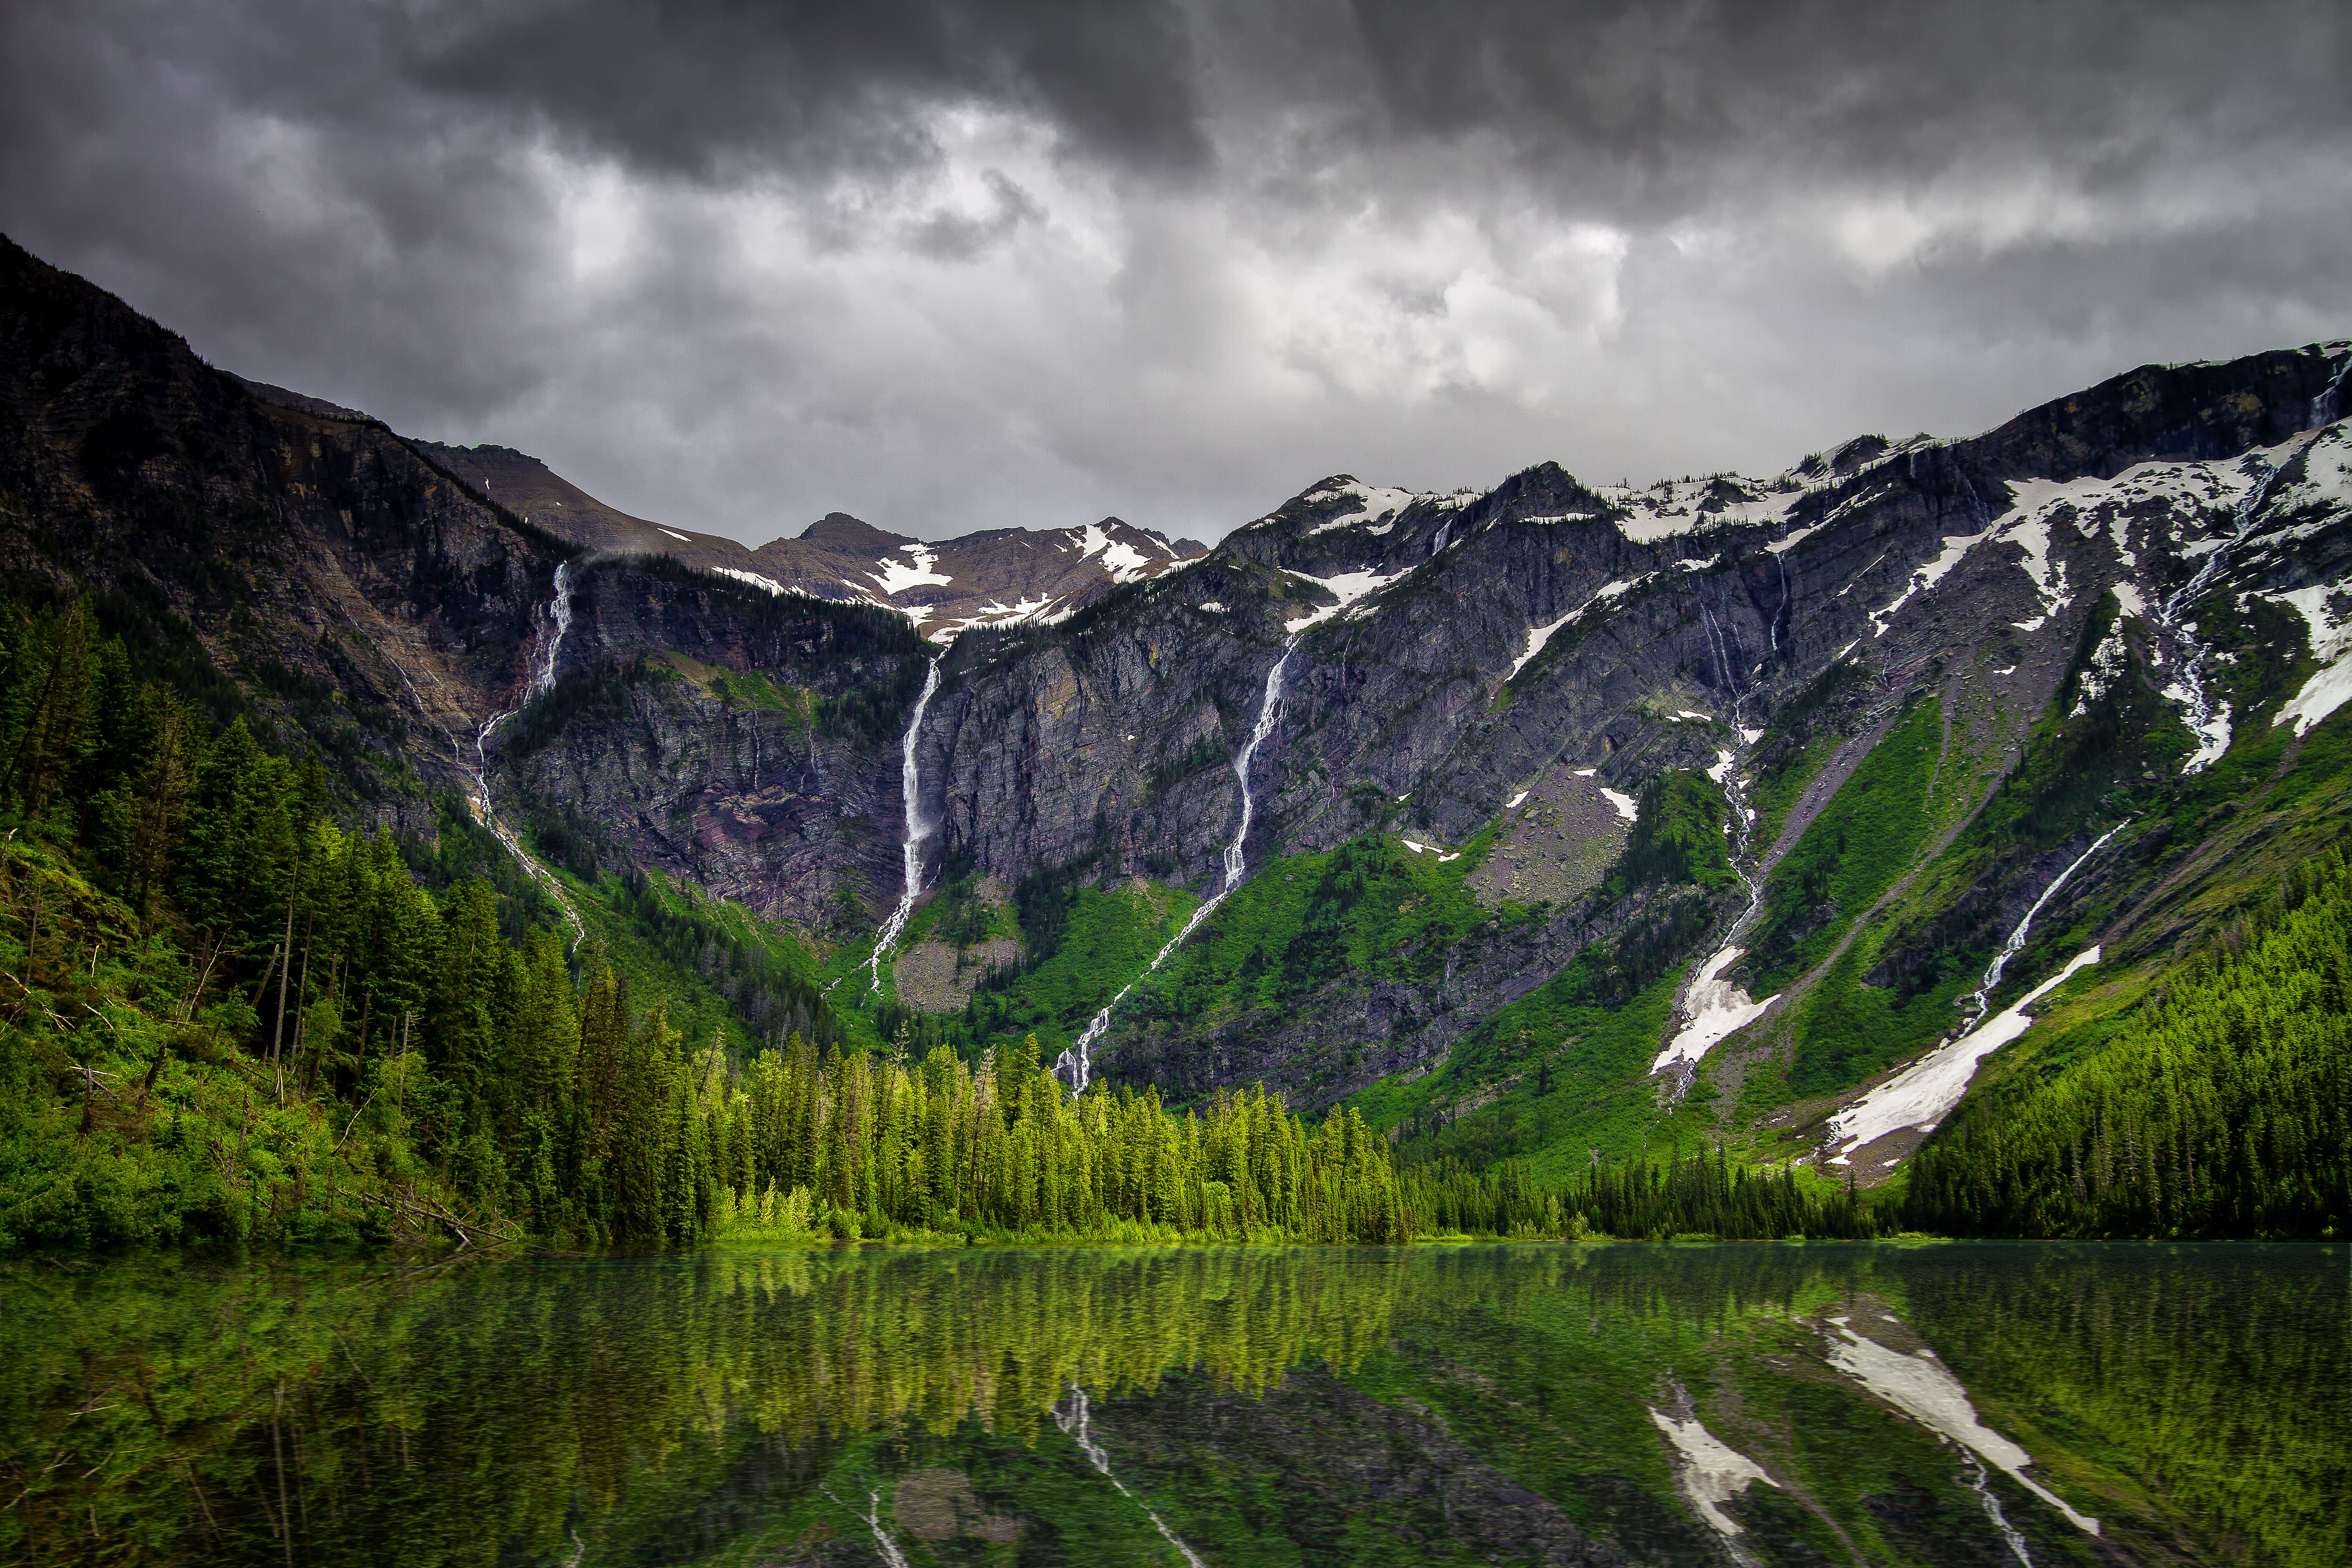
1627	807
754	578
897	576
1214	608
2331	644
1716	1009
997	614
1378	503
1927	1091
1955	545
1122	560
1512	803
1350	587
673	533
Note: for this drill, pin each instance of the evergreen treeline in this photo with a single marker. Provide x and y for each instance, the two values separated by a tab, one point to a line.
222	1016
872	1144
1700	1193
2226	1110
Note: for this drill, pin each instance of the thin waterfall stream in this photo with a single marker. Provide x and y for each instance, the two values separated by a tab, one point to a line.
1710	1007
910	789
1074	1066
1976	1001
2172	615
557	612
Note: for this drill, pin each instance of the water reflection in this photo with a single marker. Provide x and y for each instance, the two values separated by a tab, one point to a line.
1760	1404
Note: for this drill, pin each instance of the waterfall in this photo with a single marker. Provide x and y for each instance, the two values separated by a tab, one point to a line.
1779	615
2176	605
1076	1066
1722	655
1708	1006
2171	616
1073	1422
557	612
909	779
1979	999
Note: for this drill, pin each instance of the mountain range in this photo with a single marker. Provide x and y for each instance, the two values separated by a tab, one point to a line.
1826	816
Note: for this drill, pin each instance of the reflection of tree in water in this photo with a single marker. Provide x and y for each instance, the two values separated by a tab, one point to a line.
697	1408
452	1415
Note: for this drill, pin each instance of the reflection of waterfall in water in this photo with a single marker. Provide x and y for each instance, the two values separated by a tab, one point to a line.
1070	1416
884	1541
1980	1484
1076	1066
916	831
557	612
1977	1000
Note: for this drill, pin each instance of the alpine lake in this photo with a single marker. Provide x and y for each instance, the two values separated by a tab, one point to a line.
1812	1403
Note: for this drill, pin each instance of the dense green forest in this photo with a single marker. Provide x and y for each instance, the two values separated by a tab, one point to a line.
2224	1110
227	1017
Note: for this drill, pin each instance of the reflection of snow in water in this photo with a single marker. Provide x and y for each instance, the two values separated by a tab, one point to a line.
1070	1416
1924	1389
1712	1471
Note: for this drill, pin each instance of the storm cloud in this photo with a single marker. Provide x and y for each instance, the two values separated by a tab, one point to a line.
960	265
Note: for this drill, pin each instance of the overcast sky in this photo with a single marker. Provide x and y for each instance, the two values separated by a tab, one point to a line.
978	263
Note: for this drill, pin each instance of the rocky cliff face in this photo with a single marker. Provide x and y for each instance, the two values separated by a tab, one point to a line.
2054	623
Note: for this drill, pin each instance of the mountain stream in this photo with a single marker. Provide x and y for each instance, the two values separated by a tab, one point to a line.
1075	1065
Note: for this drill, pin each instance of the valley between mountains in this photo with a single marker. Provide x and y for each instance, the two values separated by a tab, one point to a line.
1959	821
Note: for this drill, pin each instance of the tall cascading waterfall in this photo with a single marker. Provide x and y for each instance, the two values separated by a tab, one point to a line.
1074	1066
1071	1417
910	784
1976	1001
2172	615
559	617
1709	1006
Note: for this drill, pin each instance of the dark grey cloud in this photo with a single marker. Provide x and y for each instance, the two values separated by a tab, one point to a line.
714	90
975	262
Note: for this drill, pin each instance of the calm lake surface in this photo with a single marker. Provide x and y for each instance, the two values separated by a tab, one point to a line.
1811	1403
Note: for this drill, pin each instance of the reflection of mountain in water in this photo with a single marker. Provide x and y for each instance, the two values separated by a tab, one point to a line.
1595	1405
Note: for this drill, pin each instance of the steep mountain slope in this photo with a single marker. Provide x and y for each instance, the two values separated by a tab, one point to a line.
1553	819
